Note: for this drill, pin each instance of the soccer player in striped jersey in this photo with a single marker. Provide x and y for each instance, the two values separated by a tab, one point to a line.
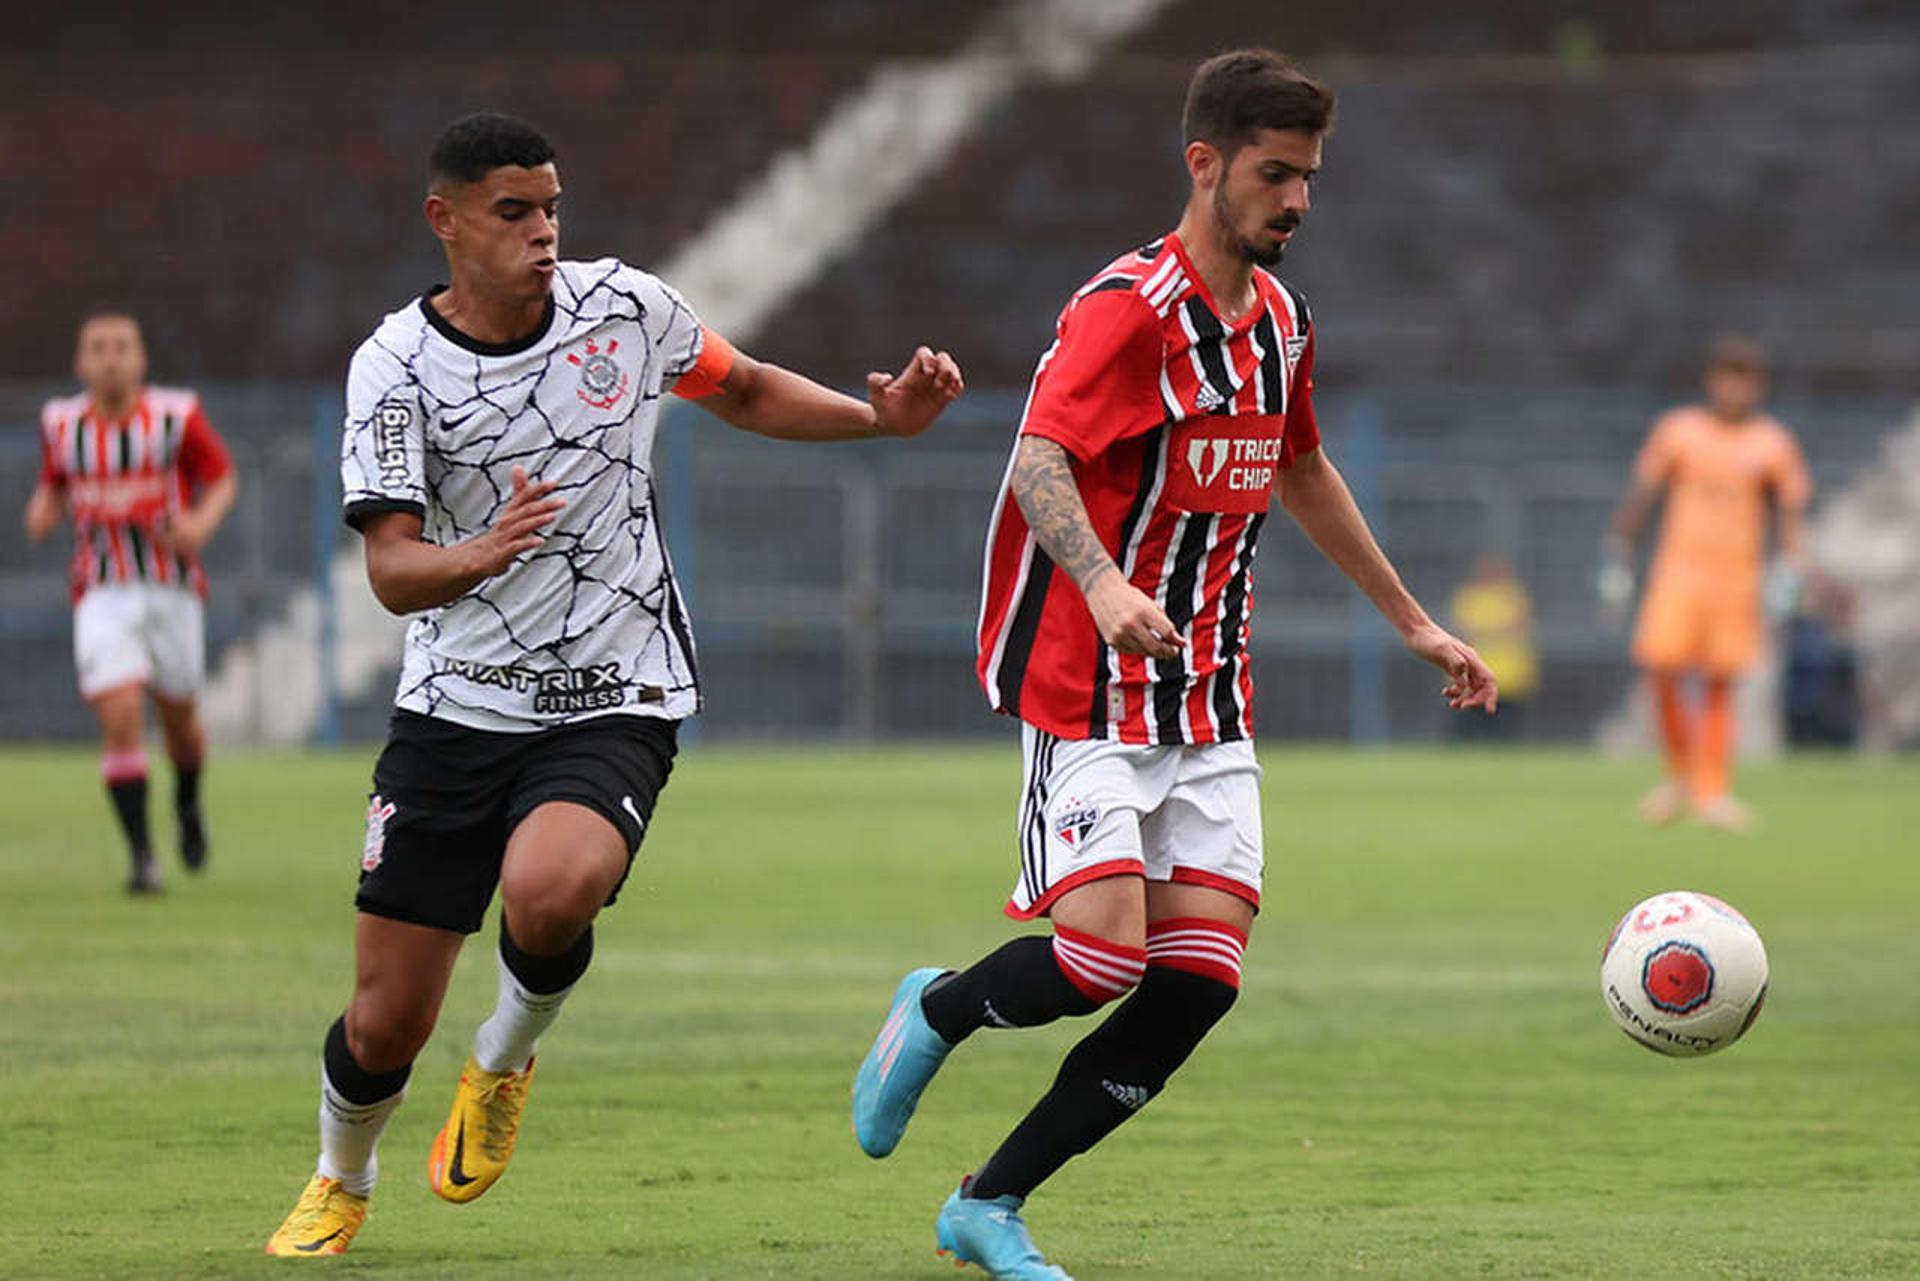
497	461
1173	408
146	480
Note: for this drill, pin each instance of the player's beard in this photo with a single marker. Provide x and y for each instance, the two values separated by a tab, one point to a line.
1258	254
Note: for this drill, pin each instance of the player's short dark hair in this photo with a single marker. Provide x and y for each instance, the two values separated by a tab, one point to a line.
1737	354
472	146
1233	95
105	311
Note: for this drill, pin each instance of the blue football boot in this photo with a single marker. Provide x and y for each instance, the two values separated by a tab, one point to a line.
903	1059
990	1233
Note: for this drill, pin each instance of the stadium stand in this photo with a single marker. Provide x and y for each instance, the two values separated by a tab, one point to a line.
1527	229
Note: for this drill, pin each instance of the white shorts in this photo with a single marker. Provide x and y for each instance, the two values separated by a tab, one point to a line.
1093	808
145	633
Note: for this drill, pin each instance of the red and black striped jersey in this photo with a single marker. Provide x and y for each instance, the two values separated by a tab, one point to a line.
1177	423
122	479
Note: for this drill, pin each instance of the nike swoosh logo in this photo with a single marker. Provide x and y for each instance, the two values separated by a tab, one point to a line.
448	424
312	1246
626	803
455	1175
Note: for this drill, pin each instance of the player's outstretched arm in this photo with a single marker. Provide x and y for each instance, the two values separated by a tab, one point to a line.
770	401
1127	617
44	509
408	575
1314	493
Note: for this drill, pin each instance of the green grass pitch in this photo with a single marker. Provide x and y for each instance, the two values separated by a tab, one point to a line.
1419	1080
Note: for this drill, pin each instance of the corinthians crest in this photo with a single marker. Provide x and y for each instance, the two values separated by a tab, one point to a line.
602	382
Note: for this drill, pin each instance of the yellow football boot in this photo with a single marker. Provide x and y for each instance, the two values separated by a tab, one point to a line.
323	1221
470	1152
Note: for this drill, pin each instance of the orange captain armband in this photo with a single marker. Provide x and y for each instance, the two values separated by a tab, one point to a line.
716	362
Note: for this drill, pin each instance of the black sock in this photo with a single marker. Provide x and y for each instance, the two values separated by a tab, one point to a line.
1017	985
355	1083
1107	1077
129	797
186	790
544	975
186	808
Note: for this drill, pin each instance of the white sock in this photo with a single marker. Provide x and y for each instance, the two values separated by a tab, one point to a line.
348	1133
505	1041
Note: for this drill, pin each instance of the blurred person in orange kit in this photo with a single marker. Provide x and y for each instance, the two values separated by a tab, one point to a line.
1720	466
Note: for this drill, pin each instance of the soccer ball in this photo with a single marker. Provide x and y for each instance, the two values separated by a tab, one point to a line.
1684	974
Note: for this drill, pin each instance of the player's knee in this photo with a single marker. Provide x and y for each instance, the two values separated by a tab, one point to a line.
1200	946
1102	969
548	919
180	725
121	729
384	1036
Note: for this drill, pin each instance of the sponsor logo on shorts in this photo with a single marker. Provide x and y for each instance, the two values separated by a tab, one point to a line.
1130	1097
1072	826
378	812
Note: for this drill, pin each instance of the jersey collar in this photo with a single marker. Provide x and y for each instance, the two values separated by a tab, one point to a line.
1261	301
134	413
474	345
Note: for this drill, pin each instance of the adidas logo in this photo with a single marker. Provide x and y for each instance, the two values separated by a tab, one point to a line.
1130	1097
1208	398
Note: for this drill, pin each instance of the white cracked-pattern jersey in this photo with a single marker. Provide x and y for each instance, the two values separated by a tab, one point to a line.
591	622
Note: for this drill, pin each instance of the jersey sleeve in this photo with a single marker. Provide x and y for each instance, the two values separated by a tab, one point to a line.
1660	455
1302	432
203	455
1101	382
382	445
1792	486
680	337
709	369
53	474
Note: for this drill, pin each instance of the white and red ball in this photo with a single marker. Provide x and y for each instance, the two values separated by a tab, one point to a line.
1684	974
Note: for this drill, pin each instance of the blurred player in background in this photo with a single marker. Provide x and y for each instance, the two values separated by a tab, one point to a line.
497	461
1493	613
1172	409
1719	466
147	481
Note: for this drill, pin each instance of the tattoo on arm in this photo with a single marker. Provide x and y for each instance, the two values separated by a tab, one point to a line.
1043	485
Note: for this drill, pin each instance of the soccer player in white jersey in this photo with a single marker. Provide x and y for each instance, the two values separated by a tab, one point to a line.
497	462
146	480
1172	411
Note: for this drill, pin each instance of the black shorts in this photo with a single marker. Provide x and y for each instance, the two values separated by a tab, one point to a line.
446	797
